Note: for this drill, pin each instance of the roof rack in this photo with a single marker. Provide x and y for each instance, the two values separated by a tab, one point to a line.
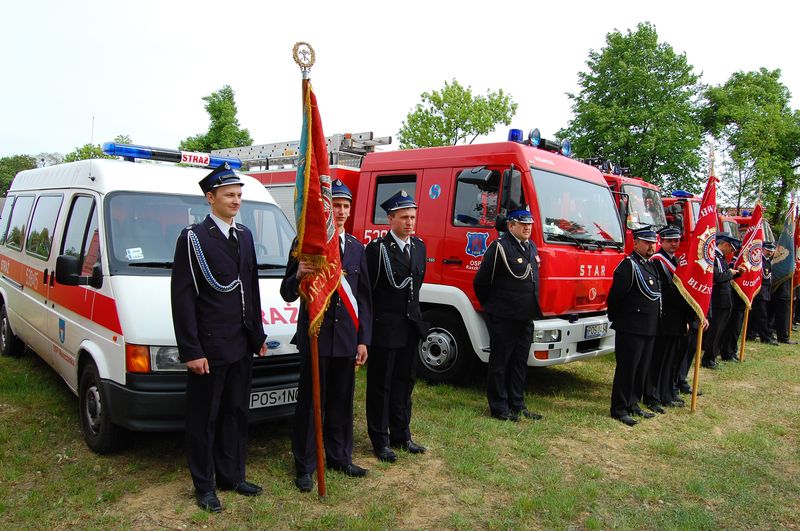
347	149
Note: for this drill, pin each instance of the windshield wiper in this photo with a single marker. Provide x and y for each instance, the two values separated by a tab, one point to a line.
582	244
271	266
610	243
150	264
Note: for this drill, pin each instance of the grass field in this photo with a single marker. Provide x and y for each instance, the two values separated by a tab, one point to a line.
732	464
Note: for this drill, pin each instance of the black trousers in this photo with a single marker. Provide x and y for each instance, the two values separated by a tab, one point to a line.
759	321
391	374
713	336
662	378
216	424
783	318
633	353
729	344
510	344
337	385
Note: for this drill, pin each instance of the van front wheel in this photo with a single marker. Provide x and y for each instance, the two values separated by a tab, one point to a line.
100	434
445	353
10	345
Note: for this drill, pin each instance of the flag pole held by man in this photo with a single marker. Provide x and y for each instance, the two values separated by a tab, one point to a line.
748	284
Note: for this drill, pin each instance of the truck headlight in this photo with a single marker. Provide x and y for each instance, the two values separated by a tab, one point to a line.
546	336
165	359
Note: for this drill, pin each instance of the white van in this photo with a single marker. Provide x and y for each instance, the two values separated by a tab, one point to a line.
86	252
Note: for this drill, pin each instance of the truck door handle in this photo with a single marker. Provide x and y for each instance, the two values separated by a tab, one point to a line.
44	280
455	261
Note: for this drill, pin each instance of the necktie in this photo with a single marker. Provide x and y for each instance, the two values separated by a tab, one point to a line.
407	253
232	241
341	248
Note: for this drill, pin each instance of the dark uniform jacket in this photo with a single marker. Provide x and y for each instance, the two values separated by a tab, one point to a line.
397	315
499	292
338	335
675	311
629	310
205	320
723	274
765	292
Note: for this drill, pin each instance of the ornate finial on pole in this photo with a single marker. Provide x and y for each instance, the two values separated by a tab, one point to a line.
304	56
711	158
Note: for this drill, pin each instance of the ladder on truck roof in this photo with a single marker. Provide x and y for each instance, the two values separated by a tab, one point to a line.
346	149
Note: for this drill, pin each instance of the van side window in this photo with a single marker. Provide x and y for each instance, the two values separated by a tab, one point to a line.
18	224
475	206
387	186
43	223
81	237
4	217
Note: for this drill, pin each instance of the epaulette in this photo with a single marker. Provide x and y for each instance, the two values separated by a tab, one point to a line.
417	238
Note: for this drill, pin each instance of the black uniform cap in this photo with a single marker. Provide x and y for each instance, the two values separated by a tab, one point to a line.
222	175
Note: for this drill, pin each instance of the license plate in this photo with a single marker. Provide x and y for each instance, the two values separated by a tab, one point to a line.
595	330
276	397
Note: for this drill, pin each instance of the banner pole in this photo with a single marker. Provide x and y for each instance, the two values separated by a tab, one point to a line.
791	307
744	333
697	353
317	416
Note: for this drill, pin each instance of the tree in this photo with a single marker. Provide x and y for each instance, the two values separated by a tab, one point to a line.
750	114
452	115
638	106
224	131
86	151
49	159
10	166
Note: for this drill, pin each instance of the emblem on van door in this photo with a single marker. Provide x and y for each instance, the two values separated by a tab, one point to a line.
62	330
476	243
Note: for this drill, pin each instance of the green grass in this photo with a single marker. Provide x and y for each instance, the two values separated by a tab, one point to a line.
734	463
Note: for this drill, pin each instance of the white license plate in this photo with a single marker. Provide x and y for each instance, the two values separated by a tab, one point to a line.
595	330
276	397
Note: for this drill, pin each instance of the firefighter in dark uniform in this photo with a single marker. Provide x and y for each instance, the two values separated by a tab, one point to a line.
396	265
780	309
634	307
341	347
759	315
721	297
729	345
216	312
507	286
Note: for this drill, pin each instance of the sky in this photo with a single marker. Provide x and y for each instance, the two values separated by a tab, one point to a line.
86	71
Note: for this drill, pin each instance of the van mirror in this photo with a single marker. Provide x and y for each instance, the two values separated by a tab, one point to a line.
68	270
481	176
512	190
500	223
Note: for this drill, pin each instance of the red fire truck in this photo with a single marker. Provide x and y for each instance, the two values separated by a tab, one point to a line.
638	201
462	193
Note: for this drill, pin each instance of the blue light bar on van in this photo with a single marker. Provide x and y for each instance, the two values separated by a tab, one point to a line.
535	137
566	147
130	151
515	135
681	193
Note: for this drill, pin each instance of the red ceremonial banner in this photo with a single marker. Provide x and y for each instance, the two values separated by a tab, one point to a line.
749	283
694	275
317	241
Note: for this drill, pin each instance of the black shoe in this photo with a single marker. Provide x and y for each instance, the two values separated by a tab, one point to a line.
303	482
527	414
655	407
245	488
208	501
642	413
772	342
788	342
676	403
735	357
411	447
354	471
627	420
710	364
506	416
685	388
384	453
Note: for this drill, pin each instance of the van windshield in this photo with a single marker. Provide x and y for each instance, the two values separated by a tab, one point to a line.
142	228
575	211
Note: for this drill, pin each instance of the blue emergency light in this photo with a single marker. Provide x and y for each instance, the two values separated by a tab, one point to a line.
535	137
515	135
681	193
566	147
130	151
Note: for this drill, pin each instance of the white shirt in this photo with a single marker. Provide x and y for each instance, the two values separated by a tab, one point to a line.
224	227
401	243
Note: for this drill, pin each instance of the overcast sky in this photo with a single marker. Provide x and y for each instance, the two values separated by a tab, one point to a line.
141	68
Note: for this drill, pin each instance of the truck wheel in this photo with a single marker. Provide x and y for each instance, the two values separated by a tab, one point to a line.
10	345
445	354
99	433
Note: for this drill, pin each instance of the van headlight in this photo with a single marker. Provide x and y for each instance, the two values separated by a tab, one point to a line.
546	336
165	359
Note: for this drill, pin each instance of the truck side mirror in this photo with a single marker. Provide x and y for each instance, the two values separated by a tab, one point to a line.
500	223
512	190
480	176
68	269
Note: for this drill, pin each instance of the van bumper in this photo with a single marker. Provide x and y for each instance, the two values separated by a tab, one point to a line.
157	402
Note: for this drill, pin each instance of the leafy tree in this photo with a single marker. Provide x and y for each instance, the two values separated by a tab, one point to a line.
750	114
123	139
638	106
452	115
49	159
86	151
224	131
10	166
